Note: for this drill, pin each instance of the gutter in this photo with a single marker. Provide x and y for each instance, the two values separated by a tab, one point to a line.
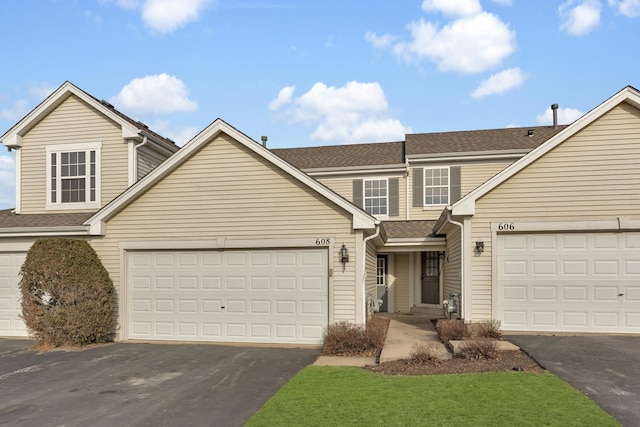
44	231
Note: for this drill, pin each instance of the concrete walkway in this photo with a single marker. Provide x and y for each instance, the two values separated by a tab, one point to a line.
405	330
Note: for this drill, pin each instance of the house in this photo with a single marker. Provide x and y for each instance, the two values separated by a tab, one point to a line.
225	240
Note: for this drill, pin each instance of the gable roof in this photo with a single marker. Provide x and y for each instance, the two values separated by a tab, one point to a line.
361	219
466	205
130	127
473	141
336	156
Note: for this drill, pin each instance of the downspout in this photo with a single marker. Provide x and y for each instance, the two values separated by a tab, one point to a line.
462	256
364	268
406	191
144	142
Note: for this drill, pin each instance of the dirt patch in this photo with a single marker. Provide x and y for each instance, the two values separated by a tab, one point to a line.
505	361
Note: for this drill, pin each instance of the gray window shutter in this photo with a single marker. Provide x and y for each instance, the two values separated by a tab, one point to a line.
394	197
357	193
418	187
454	176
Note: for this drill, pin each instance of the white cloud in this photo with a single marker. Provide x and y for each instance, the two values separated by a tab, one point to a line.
628	8
165	16
453	7
565	116
41	90
156	94
18	110
503	2
182	136
7	177
379	41
284	98
579	19
355	112
501	82
468	45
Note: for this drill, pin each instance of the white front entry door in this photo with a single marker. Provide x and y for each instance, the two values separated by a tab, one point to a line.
569	282
11	325
256	296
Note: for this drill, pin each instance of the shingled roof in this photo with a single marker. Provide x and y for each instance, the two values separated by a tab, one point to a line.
524	138
335	156
408	229
10	220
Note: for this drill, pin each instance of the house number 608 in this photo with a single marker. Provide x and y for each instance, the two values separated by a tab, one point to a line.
506	226
323	241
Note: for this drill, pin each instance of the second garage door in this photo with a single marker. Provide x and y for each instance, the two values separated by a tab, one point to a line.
569	282
257	296
11	325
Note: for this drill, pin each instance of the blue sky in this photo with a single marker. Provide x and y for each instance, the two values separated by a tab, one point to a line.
319	72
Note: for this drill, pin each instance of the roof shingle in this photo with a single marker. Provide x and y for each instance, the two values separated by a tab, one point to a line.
8	219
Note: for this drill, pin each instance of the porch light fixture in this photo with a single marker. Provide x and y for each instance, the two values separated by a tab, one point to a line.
479	247
344	254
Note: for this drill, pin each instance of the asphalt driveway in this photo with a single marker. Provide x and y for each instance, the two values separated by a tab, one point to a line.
606	369
141	384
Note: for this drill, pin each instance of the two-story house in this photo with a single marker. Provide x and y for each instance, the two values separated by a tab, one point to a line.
229	241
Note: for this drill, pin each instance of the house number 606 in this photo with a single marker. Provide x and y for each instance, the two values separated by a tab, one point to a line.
506	226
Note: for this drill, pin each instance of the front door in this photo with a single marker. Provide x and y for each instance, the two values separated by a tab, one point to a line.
430	278
382	282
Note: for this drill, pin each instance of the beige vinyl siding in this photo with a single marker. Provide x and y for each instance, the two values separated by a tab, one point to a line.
148	160
226	191
594	175
344	187
371	267
472	174
452	267
71	122
401	283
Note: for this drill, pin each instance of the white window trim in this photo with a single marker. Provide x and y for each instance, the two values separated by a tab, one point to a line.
364	197
58	148
426	206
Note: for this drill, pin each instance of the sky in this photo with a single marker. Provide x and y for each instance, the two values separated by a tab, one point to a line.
310	73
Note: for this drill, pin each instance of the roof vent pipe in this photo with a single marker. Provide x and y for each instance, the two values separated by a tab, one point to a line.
554	108
264	139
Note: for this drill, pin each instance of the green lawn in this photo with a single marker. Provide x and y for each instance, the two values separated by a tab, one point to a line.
327	396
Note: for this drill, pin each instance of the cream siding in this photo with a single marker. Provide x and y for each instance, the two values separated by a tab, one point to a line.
71	122
148	160
594	175
401	283
371	266
452	266
472	174
226	191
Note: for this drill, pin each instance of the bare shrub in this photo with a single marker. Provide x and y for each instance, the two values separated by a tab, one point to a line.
349	339
479	349
451	329
67	295
425	353
490	330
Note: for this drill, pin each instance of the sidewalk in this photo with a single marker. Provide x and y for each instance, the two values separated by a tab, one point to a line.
405	330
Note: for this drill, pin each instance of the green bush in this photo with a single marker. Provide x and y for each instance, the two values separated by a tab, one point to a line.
67	294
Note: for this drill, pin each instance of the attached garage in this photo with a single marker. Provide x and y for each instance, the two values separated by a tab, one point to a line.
257	296
569	282
11	325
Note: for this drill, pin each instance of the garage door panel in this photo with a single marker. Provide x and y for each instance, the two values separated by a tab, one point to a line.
586	282
11	325
243	296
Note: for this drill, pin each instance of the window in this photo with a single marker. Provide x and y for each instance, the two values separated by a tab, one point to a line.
376	196
436	186
73	176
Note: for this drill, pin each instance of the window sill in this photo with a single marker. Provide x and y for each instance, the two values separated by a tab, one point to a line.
72	206
433	207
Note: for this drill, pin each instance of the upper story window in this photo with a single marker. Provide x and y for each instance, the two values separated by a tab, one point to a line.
73	176
436	186
376	196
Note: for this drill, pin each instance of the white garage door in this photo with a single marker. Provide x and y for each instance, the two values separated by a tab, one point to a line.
11	325
573	282
258	296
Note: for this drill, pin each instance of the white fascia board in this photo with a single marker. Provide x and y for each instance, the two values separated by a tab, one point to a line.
466	205
44	231
361	220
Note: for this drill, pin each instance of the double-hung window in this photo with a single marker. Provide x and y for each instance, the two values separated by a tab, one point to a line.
376	196
436	186
73	176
